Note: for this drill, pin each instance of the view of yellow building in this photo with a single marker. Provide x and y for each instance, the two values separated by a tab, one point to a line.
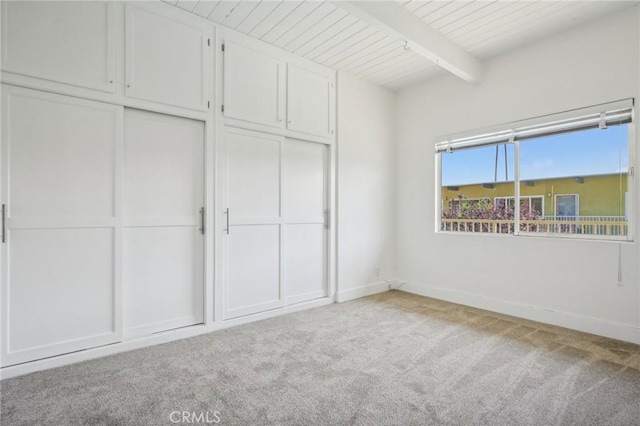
576	196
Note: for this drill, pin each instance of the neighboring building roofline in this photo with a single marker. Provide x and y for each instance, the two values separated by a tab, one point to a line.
536	180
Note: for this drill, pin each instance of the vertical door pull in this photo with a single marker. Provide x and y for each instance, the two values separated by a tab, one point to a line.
227	213
202	219
4	228
327	219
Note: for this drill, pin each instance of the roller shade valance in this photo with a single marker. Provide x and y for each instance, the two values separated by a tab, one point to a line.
601	116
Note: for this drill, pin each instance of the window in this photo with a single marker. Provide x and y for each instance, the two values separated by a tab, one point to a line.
567	206
571	173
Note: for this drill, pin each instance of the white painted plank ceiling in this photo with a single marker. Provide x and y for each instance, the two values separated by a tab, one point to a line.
324	33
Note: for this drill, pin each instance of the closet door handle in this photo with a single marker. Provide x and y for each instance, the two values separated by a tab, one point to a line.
202	219
4	227
227	213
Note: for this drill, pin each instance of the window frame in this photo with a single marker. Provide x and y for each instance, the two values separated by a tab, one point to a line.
630	202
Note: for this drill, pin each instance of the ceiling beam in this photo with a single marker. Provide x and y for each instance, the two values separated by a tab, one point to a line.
395	21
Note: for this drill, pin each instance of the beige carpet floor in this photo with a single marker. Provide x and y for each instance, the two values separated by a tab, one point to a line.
389	359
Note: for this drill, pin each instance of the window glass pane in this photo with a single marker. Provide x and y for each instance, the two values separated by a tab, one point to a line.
477	190
536	205
576	183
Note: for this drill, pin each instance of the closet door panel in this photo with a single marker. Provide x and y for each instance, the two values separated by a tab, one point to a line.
251	85
66	42
61	186
254	271
254	175
163	284
61	288
163	244
166	60
164	163
304	180
304	262
61	162
252	282
304	200
309	102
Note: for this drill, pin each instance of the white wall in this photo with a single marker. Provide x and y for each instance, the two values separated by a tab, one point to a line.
566	282
366	181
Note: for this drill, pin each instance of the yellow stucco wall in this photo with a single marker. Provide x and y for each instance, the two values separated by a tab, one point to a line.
599	195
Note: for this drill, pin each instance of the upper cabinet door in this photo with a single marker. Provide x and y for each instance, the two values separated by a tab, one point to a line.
166	60
309	102
251	86
65	42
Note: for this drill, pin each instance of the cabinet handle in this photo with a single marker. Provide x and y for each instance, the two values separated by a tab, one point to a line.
202	219
4	228
227	213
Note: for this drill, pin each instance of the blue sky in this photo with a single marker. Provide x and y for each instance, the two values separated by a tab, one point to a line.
582	153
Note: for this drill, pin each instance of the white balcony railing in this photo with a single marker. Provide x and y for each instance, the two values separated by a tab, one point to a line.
615	226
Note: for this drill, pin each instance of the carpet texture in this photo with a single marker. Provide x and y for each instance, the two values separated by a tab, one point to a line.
388	359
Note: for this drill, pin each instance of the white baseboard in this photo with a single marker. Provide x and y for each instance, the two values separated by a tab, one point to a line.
614	330
365	290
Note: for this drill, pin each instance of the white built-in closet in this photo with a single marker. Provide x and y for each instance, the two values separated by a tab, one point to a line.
158	172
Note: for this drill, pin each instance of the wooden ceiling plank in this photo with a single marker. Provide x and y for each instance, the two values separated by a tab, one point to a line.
257	16
382	57
327	35
281	11
473	19
187	5
321	27
362	31
305	24
472	9
414	5
391	65
337	40
368	54
204	8
221	11
430	8
240	13
445	11
491	20
353	45
291	20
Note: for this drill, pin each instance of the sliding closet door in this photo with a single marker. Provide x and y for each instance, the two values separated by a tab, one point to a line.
163	228
253	242
305	236
276	236
61	186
